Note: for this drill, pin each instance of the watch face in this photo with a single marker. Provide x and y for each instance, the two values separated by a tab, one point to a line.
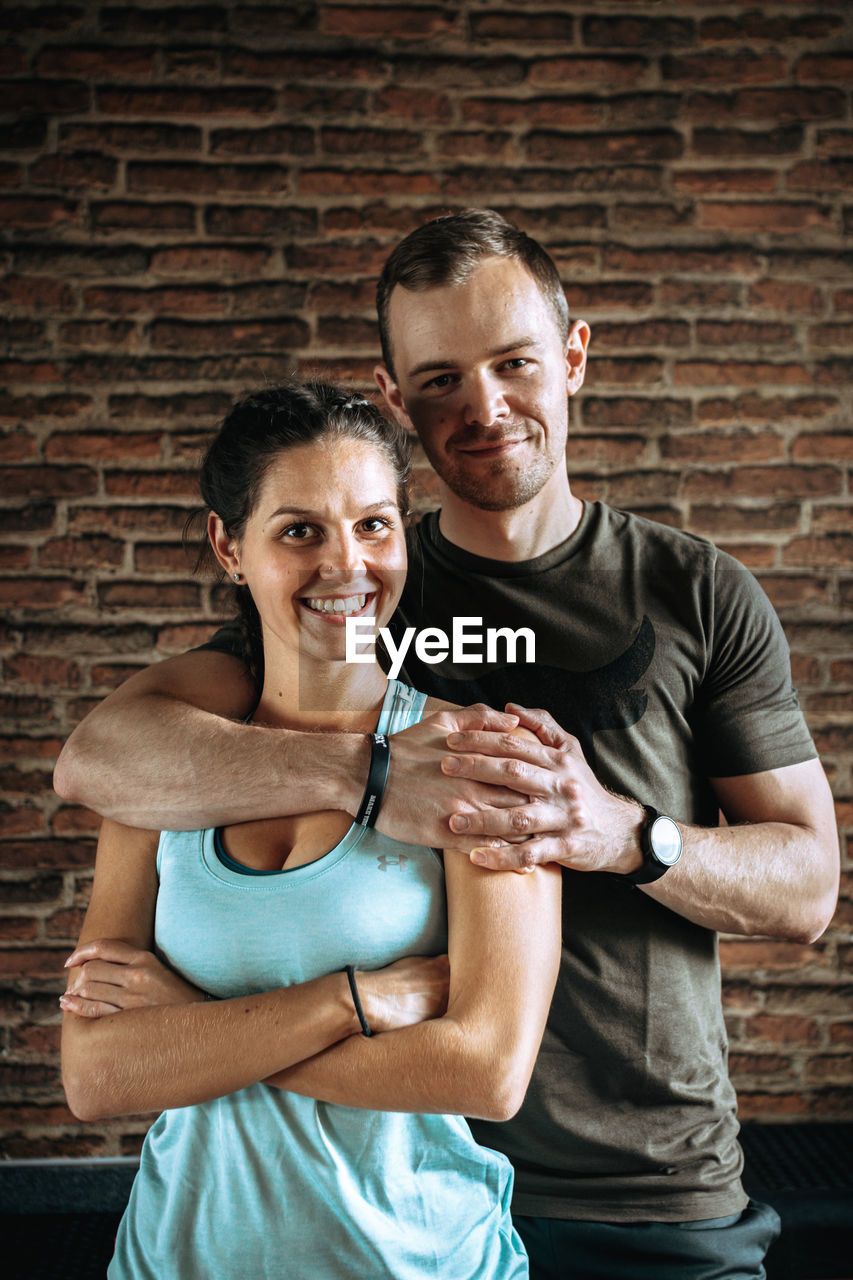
665	840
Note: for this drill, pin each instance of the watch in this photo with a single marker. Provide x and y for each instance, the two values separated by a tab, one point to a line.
661	845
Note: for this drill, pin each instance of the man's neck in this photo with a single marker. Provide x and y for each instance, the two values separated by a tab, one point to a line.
520	534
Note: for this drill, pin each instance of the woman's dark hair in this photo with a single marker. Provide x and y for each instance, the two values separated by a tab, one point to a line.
253	434
447	250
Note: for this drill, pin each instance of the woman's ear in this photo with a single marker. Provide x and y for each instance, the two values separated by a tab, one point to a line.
225	547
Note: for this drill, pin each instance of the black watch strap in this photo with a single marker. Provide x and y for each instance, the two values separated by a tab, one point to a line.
656	861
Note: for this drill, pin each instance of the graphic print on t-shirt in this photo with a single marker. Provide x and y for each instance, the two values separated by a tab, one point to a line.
583	702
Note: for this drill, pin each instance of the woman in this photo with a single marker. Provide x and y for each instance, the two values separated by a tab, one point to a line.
290	1144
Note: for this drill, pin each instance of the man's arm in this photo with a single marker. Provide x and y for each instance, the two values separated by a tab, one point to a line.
168	750
773	871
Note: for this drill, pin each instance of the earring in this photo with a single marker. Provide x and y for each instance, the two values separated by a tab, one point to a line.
236	577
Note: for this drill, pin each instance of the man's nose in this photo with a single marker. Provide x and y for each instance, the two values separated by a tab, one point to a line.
484	401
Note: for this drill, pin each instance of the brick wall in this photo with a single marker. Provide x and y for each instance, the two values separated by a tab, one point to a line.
197	198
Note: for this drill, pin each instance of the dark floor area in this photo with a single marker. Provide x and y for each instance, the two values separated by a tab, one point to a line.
58	1218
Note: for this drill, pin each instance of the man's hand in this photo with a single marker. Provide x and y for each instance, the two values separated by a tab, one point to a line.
420	797
566	816
112	975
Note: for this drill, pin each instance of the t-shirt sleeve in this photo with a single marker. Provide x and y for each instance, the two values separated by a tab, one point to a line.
228	639
747	715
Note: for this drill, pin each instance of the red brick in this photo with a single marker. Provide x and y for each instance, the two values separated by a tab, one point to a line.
642	32
400	22
170	20
121	215
185	101
823	444
273	141
259	335
741	446
213	259
91	172
110	675
16	408
44	97
162	558
71	445
676	260
739	373
835	174
638	372
43	671
148	595
148	519
257	221
761	954
412	104
723	181
792	591
758	216
651	217
582	71
825	68
743	333
17	446
724	68
94	60
72	820
24	821
623	411
40	593
752	1105
113	136
643	333
210	179
38	211
786	295
562	148
36	293
478	145
772	481
14	558
335	182
151	484
832	550
94	552
40	482
833	337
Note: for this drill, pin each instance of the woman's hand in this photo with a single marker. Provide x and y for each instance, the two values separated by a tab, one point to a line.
410	990
112	975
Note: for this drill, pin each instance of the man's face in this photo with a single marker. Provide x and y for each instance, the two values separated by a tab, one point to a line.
483	376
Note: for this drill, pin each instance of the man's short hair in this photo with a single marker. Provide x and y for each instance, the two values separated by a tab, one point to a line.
447	250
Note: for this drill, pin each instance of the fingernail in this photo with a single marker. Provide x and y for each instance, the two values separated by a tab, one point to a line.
454	739
459	822
478	857
450	764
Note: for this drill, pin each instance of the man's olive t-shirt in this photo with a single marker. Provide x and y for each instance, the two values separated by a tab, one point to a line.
662	655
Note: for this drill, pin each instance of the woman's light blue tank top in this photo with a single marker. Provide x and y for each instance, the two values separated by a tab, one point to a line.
266	1184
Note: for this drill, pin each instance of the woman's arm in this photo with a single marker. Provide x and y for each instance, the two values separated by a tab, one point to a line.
145	1059
505	936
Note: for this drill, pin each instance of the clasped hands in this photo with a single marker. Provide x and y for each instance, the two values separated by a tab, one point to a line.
510	800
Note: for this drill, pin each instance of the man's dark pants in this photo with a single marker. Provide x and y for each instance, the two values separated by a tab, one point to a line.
715	1249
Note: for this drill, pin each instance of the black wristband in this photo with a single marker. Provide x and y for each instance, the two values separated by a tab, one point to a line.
365	1028
380	760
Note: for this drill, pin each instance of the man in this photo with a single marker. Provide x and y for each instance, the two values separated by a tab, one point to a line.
666	682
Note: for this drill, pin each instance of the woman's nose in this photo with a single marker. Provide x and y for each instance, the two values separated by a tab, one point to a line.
341	555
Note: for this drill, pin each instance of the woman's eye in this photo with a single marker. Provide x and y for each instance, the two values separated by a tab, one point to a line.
299	532
376	524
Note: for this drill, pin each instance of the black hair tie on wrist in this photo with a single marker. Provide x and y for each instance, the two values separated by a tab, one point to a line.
380	760
365	1027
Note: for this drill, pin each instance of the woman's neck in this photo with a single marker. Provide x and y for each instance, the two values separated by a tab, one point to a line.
320	696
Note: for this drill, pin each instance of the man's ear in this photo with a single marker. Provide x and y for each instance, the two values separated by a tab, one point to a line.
392	396
576	349
224	546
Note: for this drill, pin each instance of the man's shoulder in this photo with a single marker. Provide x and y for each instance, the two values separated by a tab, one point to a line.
652	539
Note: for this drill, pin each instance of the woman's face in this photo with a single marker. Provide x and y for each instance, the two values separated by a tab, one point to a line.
324	542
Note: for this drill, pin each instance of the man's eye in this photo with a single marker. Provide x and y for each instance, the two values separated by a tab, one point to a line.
517	362
441	381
